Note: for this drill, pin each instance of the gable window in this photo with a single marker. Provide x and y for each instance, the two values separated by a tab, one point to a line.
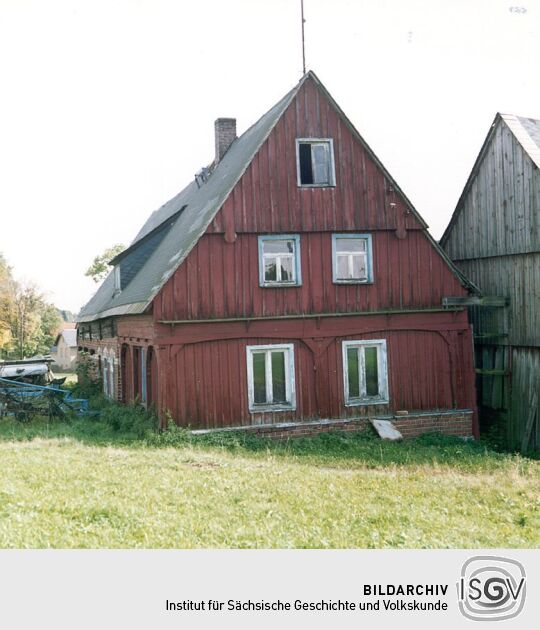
270	372
365	372
279	261
352	258
315	162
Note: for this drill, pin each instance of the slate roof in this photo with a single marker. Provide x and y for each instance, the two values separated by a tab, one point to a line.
201	206
183	220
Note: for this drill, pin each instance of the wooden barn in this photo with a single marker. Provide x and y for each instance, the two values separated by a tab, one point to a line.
291	287
494	238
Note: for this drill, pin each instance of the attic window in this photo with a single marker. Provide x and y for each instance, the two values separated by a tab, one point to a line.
315	162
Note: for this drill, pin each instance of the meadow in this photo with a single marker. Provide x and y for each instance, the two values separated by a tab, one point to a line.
114	482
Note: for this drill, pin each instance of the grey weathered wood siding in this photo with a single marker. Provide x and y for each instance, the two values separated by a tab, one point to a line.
498	213
525	366
518	278
494	238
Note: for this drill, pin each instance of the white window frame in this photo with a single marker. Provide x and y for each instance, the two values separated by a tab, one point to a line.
369	259
332	165
297	266
290	388
108	371
383	397
143	375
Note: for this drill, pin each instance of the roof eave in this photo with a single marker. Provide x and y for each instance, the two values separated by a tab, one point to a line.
136	308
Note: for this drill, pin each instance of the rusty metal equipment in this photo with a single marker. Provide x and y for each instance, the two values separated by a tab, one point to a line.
24	401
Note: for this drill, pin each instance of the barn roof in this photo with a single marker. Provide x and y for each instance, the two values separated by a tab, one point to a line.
525	130
173	230
527	133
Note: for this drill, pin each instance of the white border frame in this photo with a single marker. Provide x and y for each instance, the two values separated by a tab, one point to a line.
290	387
382	363
265	284
330	142
369	257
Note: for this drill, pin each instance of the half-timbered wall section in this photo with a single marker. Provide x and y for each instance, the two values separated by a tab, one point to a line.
312	292
494	237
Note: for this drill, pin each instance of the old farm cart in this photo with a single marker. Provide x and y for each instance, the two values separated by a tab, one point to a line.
25	401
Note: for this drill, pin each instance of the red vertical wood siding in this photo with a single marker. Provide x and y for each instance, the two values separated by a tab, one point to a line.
222	280
201	375
268	199
426	370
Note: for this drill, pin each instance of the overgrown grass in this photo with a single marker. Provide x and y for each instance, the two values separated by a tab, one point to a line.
112	481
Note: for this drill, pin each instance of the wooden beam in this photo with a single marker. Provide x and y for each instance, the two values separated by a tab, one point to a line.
474	300
216	320
492	372
490	336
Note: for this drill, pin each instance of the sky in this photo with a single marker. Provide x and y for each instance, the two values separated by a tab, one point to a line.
107	106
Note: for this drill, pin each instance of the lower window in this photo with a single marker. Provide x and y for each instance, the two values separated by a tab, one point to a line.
108	377
271	377
365	372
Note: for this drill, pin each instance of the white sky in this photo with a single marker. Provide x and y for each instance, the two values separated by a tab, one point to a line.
107	106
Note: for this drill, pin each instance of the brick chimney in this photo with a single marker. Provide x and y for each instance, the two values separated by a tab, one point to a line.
225	135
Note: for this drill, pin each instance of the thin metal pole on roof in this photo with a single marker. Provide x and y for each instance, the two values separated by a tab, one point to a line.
303	39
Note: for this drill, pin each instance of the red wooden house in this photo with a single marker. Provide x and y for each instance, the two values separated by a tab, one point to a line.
290	287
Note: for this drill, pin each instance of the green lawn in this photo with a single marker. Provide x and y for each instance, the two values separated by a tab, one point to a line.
95	483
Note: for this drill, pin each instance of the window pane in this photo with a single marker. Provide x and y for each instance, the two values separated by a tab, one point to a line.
352	369
278	247
259	377
350	244
279	391
287	269
270	270
359	267
342	267
304	157
372	371
320	155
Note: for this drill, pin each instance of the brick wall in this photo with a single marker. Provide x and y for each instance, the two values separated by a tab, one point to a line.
225	134
457	423
93	351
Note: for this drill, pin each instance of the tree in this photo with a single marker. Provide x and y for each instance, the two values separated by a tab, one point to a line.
7	298
99	269
34	323
28	324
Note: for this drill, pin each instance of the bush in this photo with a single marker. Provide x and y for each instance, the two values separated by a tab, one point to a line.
130	420
87	385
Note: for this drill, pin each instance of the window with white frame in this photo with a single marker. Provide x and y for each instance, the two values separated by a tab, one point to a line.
365	372
315	162
279	260
270	372
108	377
352	259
